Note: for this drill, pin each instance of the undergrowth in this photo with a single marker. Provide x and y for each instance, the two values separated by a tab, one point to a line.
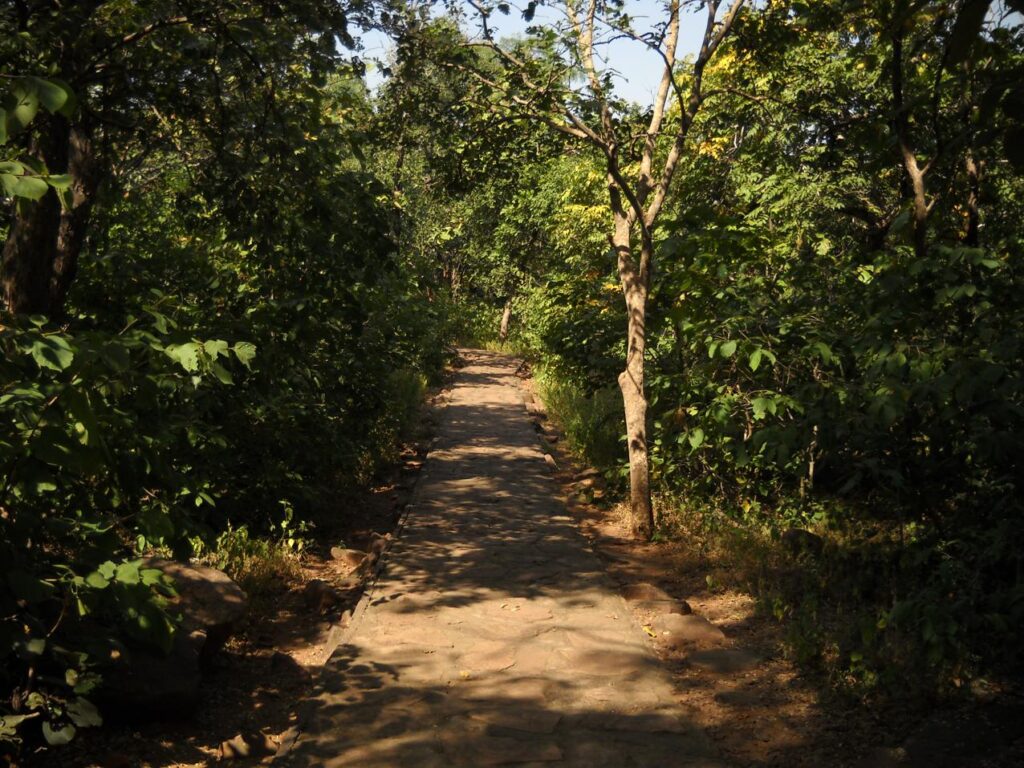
259	564
880	606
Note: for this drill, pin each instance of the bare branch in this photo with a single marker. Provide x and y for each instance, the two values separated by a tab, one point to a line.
668	80
714	33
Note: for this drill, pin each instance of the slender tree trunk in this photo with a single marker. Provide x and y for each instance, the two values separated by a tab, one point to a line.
631	380
506	317
915	172
973	198
74	221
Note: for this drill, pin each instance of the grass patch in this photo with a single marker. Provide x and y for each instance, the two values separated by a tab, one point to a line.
880	610
260	565
592	421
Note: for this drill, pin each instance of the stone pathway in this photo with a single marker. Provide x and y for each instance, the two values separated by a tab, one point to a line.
493	636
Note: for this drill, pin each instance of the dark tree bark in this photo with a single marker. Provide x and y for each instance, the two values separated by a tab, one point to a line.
40	256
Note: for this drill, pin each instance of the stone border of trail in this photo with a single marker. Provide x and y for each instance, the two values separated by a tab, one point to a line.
347	623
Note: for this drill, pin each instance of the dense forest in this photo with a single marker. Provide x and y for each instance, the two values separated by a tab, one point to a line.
781	307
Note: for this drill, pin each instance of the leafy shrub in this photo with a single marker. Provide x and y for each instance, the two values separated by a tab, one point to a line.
88	442
258	564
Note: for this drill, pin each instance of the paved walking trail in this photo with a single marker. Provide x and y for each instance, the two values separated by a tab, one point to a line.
493	636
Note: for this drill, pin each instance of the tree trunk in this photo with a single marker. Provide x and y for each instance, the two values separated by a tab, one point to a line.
506	317
631	380
74	221
973	198
40	257
28	256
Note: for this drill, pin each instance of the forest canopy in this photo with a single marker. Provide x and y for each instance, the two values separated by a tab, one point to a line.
785	295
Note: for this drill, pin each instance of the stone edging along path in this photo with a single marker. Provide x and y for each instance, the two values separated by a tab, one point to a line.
492	635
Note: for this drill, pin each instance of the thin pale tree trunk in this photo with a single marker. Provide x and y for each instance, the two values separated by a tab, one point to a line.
631	380
506	318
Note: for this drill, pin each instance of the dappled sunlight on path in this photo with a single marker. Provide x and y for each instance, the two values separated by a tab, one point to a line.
493	636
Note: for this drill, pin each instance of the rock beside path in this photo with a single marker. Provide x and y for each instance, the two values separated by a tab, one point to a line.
351	558
644	592
664	606
681	630
144	684
208	600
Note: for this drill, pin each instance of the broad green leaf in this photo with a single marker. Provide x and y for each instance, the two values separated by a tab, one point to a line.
215	347
245	352
60	181
755	359
128	573
55	95
22	107
762	405
151	576
696	438
84	714
8	183
30	187
222	373
728	349
52	352
58	736
186	355
97	580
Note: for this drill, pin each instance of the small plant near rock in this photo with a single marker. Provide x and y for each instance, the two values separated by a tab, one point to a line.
259	564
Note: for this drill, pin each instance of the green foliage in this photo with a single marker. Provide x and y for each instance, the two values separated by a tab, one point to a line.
243	335
592	421
85	485
258	564
22	176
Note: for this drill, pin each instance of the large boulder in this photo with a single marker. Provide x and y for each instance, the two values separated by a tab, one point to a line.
677	630
208	600
141	683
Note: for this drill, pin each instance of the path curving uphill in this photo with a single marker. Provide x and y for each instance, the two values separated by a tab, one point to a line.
493	636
